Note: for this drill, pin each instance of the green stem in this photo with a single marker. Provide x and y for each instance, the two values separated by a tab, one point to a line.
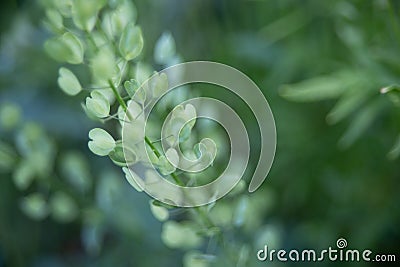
119	99
148	142
155	150
199	211
151	145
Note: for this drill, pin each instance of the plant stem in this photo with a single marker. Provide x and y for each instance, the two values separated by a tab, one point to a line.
199	211
155	150
151	145
119	98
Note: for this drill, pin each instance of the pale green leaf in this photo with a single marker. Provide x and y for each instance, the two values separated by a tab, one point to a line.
162	204
34	206
63	207
54	20
172	156
75	169
239	188
180	235
346	105
10	115
68	82
137	182
159	84
131	42
122	156
362	120
84	13
320	88
239	215
159	212
32	138
115	22
103	65
23	175
196	259
180	123
206	150
142	72
165	49
164	166
131	87
98	105
135	112
102	142
222	213
63	6
140	95
66	48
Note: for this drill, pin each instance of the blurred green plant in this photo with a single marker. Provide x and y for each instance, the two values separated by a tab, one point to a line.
360	89
316	193
56	184
32	162
101	38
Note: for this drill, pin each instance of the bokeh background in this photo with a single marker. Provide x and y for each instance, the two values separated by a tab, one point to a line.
327	181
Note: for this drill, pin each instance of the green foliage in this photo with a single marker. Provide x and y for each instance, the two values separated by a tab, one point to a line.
84	13
339	53
7	157
123	156
180	115
357	89
393	92
165	49
196	259
356	96
10	115
320	88
180	235
23	175
159	212
101	33
103	65
131	87
35	206
76	171
102	142
66	47
31	160
132	181
68	82
160	84
131	42
98	105
63	207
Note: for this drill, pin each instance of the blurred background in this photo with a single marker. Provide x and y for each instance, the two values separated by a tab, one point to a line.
332	176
